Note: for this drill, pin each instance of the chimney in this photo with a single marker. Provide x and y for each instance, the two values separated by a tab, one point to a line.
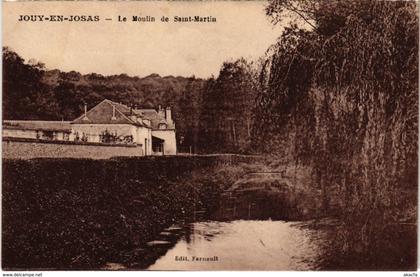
161	112
169	115
85	117
113	113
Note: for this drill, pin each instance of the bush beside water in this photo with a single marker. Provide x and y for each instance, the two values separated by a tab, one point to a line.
79	214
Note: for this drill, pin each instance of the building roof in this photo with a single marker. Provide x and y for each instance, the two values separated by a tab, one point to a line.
38	125
104	111
155	118
109	112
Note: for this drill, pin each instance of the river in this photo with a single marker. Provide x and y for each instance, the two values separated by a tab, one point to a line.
241	235
243	245
266	245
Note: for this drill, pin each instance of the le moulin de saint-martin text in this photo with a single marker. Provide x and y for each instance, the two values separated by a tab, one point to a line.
119	18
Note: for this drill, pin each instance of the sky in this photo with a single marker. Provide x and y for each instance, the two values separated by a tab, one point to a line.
139	48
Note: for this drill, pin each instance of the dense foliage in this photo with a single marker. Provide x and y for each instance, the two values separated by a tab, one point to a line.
65	215
228	102
341	96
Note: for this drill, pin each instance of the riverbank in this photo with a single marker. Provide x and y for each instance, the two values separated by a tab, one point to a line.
80	213
85	214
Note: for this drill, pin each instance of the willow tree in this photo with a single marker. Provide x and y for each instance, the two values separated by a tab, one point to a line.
340	94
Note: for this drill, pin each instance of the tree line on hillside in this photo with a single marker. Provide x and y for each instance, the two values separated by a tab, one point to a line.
210	115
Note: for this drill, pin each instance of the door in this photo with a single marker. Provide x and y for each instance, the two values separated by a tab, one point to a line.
145	146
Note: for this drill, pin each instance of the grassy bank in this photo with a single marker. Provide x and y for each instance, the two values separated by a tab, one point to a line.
74	214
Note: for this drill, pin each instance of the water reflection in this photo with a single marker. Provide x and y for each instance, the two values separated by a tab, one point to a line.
243	245
259	243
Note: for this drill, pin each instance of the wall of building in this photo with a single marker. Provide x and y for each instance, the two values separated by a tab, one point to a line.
144	136
141	135
17	133
13	149
170	141
34	134
93	131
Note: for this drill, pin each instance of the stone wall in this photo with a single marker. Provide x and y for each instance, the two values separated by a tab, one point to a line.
15	149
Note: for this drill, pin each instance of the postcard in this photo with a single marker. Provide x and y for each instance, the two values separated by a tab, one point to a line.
210	135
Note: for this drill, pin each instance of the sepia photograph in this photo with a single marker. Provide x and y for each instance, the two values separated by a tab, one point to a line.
272	135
